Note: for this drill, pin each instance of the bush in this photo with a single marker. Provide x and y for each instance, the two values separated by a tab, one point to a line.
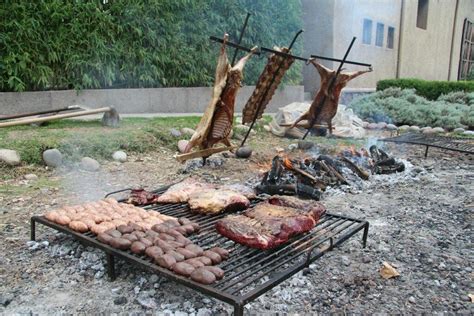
404	106
431	90
58	44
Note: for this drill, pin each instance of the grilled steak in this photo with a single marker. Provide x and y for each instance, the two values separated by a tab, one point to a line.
179	193
271	223
142	197
213	201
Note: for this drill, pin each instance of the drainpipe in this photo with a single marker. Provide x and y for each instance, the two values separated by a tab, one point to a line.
400	34
452	40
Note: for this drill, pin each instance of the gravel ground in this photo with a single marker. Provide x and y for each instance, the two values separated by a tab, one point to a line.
420	223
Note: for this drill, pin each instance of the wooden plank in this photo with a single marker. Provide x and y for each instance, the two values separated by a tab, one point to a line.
202	153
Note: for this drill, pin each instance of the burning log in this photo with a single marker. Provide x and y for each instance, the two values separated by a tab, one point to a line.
383	163
361	173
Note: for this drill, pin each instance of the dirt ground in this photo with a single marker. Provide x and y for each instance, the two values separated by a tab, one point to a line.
420	222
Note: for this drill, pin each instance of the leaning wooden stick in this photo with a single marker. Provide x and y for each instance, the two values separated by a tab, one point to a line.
203	153
54	117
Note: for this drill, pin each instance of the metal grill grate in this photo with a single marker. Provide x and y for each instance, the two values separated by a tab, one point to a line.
444	142
248	272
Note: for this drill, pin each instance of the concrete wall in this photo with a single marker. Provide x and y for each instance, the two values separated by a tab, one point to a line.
465	11
159	100
425	54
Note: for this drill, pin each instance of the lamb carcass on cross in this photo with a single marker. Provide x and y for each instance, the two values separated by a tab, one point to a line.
324	106
216	123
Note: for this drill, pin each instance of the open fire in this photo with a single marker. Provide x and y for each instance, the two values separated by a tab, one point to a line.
310	176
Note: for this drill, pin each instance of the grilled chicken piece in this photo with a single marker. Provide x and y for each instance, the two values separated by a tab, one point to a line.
216	123
319	111
264	83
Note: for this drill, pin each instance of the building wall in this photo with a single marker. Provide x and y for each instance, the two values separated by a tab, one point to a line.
465	10
425	54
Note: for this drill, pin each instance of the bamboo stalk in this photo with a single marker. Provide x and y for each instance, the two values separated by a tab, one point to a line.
55	117
202	153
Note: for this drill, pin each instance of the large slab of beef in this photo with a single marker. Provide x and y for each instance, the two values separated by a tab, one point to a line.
213	201
180	192
271	223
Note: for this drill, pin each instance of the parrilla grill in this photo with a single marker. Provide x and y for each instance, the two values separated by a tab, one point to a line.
444	142
249	272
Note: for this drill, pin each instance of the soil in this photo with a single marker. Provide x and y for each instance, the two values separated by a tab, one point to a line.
420	223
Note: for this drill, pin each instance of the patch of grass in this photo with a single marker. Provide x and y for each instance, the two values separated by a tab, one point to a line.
26	189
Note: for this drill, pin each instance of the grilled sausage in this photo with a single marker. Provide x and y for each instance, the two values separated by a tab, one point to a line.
89	222
188	254
166	261
114	233
130	237
160	228
63	220
184	221
177	256
135	226
183	268
139	234
166	237
181	230
188	228
170	223
138	247
104	238
51	216
195	262
125	229
154	252
183	240
196	249
120	243
215	258
173	232
203	276
146	241
152	234
218	272
175	244
163	245
205	260
221	251
196	227
78	226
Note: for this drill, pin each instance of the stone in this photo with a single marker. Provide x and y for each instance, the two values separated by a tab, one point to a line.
414	128
438	130
53	158
305	144
459	130
412	300
175	133
147	302
111	118
187	131
427	130
120	300
182	145
403	128
243	152
471	133
372	126
119	156
10	157
89	164
381	125
391	127
365	124
292	147
6	299
267	128
30	176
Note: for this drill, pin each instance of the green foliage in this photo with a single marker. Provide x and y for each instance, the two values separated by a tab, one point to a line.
428	89
404	106
58	44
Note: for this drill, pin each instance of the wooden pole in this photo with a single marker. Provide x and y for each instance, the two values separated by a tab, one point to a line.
55	117
202	153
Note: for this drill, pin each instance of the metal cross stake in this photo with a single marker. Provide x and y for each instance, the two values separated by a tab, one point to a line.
264	95
331	84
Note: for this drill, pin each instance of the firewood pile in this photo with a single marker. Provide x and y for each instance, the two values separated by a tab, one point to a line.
309	177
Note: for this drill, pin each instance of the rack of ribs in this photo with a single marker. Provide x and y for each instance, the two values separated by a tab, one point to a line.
216	123
324	106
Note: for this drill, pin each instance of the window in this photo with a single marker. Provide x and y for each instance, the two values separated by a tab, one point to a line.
466	61
379	35
422	14
390	36
367	32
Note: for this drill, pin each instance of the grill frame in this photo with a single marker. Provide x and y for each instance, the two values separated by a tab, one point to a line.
299	252
443	142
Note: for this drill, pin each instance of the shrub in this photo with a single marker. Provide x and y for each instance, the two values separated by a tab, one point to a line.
431	90
133	44
404	106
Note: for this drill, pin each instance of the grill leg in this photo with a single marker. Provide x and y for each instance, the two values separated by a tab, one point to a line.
33	230
238	310
364	236
426	151
111	266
